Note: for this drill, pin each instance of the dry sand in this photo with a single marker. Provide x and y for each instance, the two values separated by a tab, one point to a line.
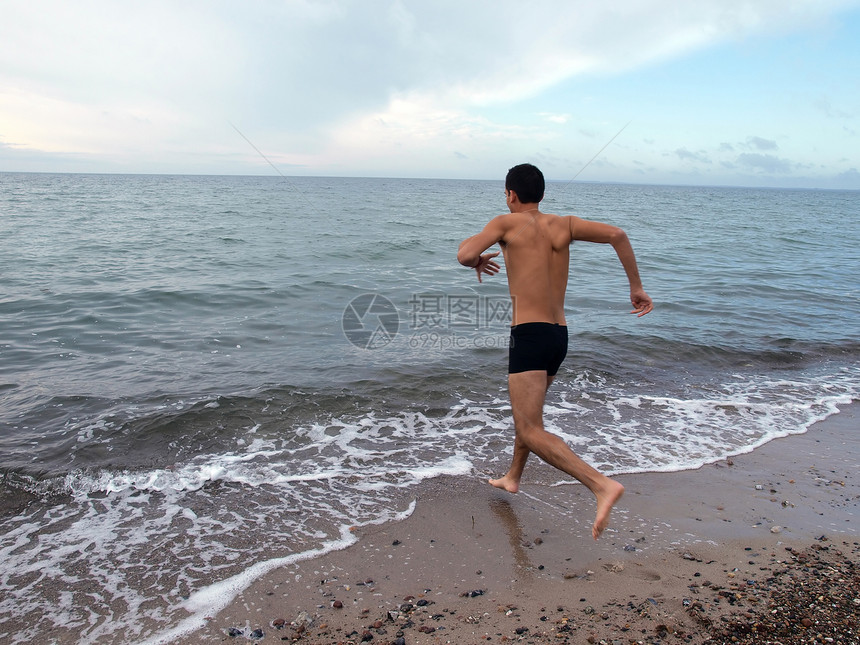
761	548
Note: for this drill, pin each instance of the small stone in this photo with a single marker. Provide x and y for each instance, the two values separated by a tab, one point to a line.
521	630
233	632
538	541
776	529
395	543
257	634
400	641
806	622
279	623
337	604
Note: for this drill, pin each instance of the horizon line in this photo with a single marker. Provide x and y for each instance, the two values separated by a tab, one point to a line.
567	181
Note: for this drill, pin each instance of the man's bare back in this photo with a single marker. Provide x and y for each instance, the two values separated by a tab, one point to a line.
536	249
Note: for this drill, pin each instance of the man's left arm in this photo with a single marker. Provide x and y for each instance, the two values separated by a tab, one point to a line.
601	233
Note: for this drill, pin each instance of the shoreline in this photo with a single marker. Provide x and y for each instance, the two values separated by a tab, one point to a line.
687	554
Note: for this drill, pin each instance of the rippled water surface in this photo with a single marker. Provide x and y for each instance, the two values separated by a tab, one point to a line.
227	372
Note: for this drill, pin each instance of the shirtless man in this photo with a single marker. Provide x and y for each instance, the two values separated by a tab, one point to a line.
536	249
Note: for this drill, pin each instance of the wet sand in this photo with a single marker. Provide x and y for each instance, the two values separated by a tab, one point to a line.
761	548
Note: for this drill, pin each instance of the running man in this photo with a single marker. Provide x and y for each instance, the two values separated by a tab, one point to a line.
536	249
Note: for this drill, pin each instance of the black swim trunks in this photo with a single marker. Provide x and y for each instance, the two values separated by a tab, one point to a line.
537	346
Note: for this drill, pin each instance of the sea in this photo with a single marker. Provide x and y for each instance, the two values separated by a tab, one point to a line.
203	378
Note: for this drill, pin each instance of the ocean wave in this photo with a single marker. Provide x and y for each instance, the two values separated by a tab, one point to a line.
618	348
296	495
180	400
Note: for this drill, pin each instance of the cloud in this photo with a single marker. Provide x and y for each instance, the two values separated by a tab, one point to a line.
760	144
337	83
850	177
825	106
560	119
686	155
374	139
470	63
767	163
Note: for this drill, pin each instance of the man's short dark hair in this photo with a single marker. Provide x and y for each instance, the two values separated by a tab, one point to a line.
527	182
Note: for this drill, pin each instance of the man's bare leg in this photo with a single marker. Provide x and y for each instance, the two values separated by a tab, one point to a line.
528	391
511	481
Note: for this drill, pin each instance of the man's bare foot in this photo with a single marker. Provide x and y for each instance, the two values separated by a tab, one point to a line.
506	483
605	501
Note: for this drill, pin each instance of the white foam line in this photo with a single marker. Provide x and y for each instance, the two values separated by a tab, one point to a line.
209	601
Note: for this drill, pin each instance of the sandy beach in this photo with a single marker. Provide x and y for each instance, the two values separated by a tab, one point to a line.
759	548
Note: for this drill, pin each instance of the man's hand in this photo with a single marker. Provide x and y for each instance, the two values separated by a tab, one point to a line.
487	265
641	302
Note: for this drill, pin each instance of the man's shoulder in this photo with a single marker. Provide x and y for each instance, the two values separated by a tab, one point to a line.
559	221
505	220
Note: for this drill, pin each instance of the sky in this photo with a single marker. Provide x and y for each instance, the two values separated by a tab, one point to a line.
706	92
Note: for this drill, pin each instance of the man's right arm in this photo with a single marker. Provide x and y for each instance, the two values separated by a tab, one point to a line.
471	248
471	251
600	233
